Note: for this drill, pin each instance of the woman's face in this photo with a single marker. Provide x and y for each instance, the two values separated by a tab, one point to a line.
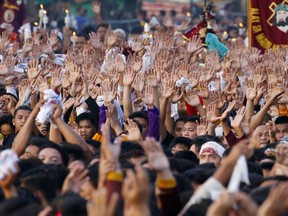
42	128
50	156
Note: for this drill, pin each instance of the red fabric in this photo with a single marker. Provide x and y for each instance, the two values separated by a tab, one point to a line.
263	31
192	110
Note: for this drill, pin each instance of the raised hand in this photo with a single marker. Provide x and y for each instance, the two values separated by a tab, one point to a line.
111	40
169	89
43	84
96	7
148	97
128	76
203	90
238	119
191	97
4	41
7	66
250	90
52	40
211	113
228	110
109	92
56	77
77	176
133	130
202	127
95	42
194	45
194	79
213	61
184	70
207	74
76	86
33	71
99	202
28	46
137	44
136	191
46	47
151	78
138	83
74	73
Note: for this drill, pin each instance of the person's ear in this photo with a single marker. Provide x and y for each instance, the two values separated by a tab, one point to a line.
13	121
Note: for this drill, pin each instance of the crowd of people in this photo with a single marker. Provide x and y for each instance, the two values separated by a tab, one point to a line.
147	124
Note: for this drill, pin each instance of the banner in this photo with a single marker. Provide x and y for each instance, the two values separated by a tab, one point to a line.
267	23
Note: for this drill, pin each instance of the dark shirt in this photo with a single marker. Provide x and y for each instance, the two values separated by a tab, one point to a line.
8	141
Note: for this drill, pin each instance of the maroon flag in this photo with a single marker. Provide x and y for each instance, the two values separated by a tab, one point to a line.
268	23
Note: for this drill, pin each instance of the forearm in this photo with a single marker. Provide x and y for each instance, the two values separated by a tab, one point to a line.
225	127
72	136
163	107
258	118
127	103
249	110
136	210
156	97
22	138
55	135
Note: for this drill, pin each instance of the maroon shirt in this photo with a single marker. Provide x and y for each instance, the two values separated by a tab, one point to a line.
12	12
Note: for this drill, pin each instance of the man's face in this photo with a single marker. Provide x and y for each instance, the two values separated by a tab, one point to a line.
30	152
207	157
119	39
281	18
42	128
261	136
20	119
144	125
101	33
80	41
178	129
189	130
6	130
86	129
50	156
282	131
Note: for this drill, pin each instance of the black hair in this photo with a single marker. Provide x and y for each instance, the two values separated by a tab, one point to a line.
64	155
22	107
200	174
132	154
75	152
181	140
94	174
281	120
192	119
199	209
85	116
178	120
103	25
180	165
40	141
19	206
138	115
38	180
57	172
28	164
187	155
70	204
128	146
7	119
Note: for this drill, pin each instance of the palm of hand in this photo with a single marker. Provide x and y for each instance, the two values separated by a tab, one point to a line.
204	93
96	44
134	134
193	82
158	161
111	40
236	122
201	130
53	41
192	100
43	87
4	70
137	66
32	73
251	93
257	79
152	80
55	82
66	83
211	116
138	85
47	49
148	99
27	47
73	76
168	91
137	47
109	96
128	79
192	47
